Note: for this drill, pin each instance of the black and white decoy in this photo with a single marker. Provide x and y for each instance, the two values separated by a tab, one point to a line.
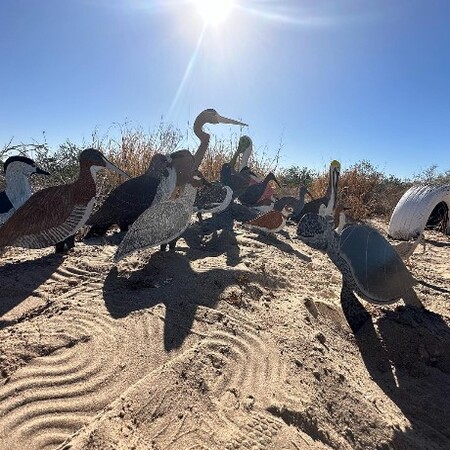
17	170
53	214
212	198
296	203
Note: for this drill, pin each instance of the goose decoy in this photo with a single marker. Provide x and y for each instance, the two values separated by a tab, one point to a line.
271	222
258	192
314	205
130	199
162	223
296	203
369	264
53	214
17	170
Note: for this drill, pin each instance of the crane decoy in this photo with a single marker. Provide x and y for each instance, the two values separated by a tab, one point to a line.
258	192
272	221
368	263
314	205
53	214
162	223
130	199
17	170
296	203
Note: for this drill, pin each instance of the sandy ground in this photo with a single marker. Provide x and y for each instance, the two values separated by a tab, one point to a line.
228	343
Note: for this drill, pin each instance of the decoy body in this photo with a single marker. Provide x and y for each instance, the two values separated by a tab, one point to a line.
296	203
162	223
258	192
314	205
17	171
56	213
271	222
368	263
212	198
130	199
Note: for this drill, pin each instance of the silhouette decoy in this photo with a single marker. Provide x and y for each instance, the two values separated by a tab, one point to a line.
17	170
272	221
296	203
370	266
130	199
53	214
314	205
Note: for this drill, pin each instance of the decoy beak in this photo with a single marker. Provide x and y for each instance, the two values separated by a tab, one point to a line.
114	168
309	193
276	181
40	171
221	119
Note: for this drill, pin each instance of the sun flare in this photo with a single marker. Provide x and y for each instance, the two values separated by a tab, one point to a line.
214	12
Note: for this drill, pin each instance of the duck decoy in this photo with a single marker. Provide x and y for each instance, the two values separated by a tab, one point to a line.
162	223
259	191
271	222
315	205
130	199
53	214
17	170
369	264
296	203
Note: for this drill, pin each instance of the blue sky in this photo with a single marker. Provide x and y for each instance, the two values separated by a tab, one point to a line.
331	79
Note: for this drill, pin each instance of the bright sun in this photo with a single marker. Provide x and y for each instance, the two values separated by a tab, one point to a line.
214	11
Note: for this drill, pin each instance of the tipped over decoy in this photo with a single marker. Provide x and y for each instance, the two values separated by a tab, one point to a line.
130	199
271	222
314	206
53	214
369	264
17	170
296	203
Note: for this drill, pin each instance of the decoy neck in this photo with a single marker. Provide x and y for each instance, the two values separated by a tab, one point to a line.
302	193
213	117
328	210
247	146
242	146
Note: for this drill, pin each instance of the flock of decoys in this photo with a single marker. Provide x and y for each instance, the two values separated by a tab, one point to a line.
155	208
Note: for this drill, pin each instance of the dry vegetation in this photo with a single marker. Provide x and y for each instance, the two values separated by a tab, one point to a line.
364	189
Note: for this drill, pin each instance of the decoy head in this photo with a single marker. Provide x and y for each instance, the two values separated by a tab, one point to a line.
183	162
313	231
198	179
23	165
303	191
212	116
287	211
244	143
96	161
271	177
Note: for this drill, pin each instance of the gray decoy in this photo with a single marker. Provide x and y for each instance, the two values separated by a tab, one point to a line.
162	223
53	214
257	192
370	266
130	199
17	170
272	221
296	203
314	205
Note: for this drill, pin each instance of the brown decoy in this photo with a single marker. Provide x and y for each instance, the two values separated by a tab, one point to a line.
53	214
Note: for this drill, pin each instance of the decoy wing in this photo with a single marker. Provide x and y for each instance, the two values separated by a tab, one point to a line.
376	267
126	202
158	225
270	220
48	217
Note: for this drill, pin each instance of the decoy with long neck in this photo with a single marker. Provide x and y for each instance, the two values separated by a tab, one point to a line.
56	213
17	171
129	200
333	176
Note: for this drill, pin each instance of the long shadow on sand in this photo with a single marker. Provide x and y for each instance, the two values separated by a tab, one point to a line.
19	280
168	278
409	359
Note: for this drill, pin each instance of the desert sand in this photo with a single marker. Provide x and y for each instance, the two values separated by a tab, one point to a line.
231	342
